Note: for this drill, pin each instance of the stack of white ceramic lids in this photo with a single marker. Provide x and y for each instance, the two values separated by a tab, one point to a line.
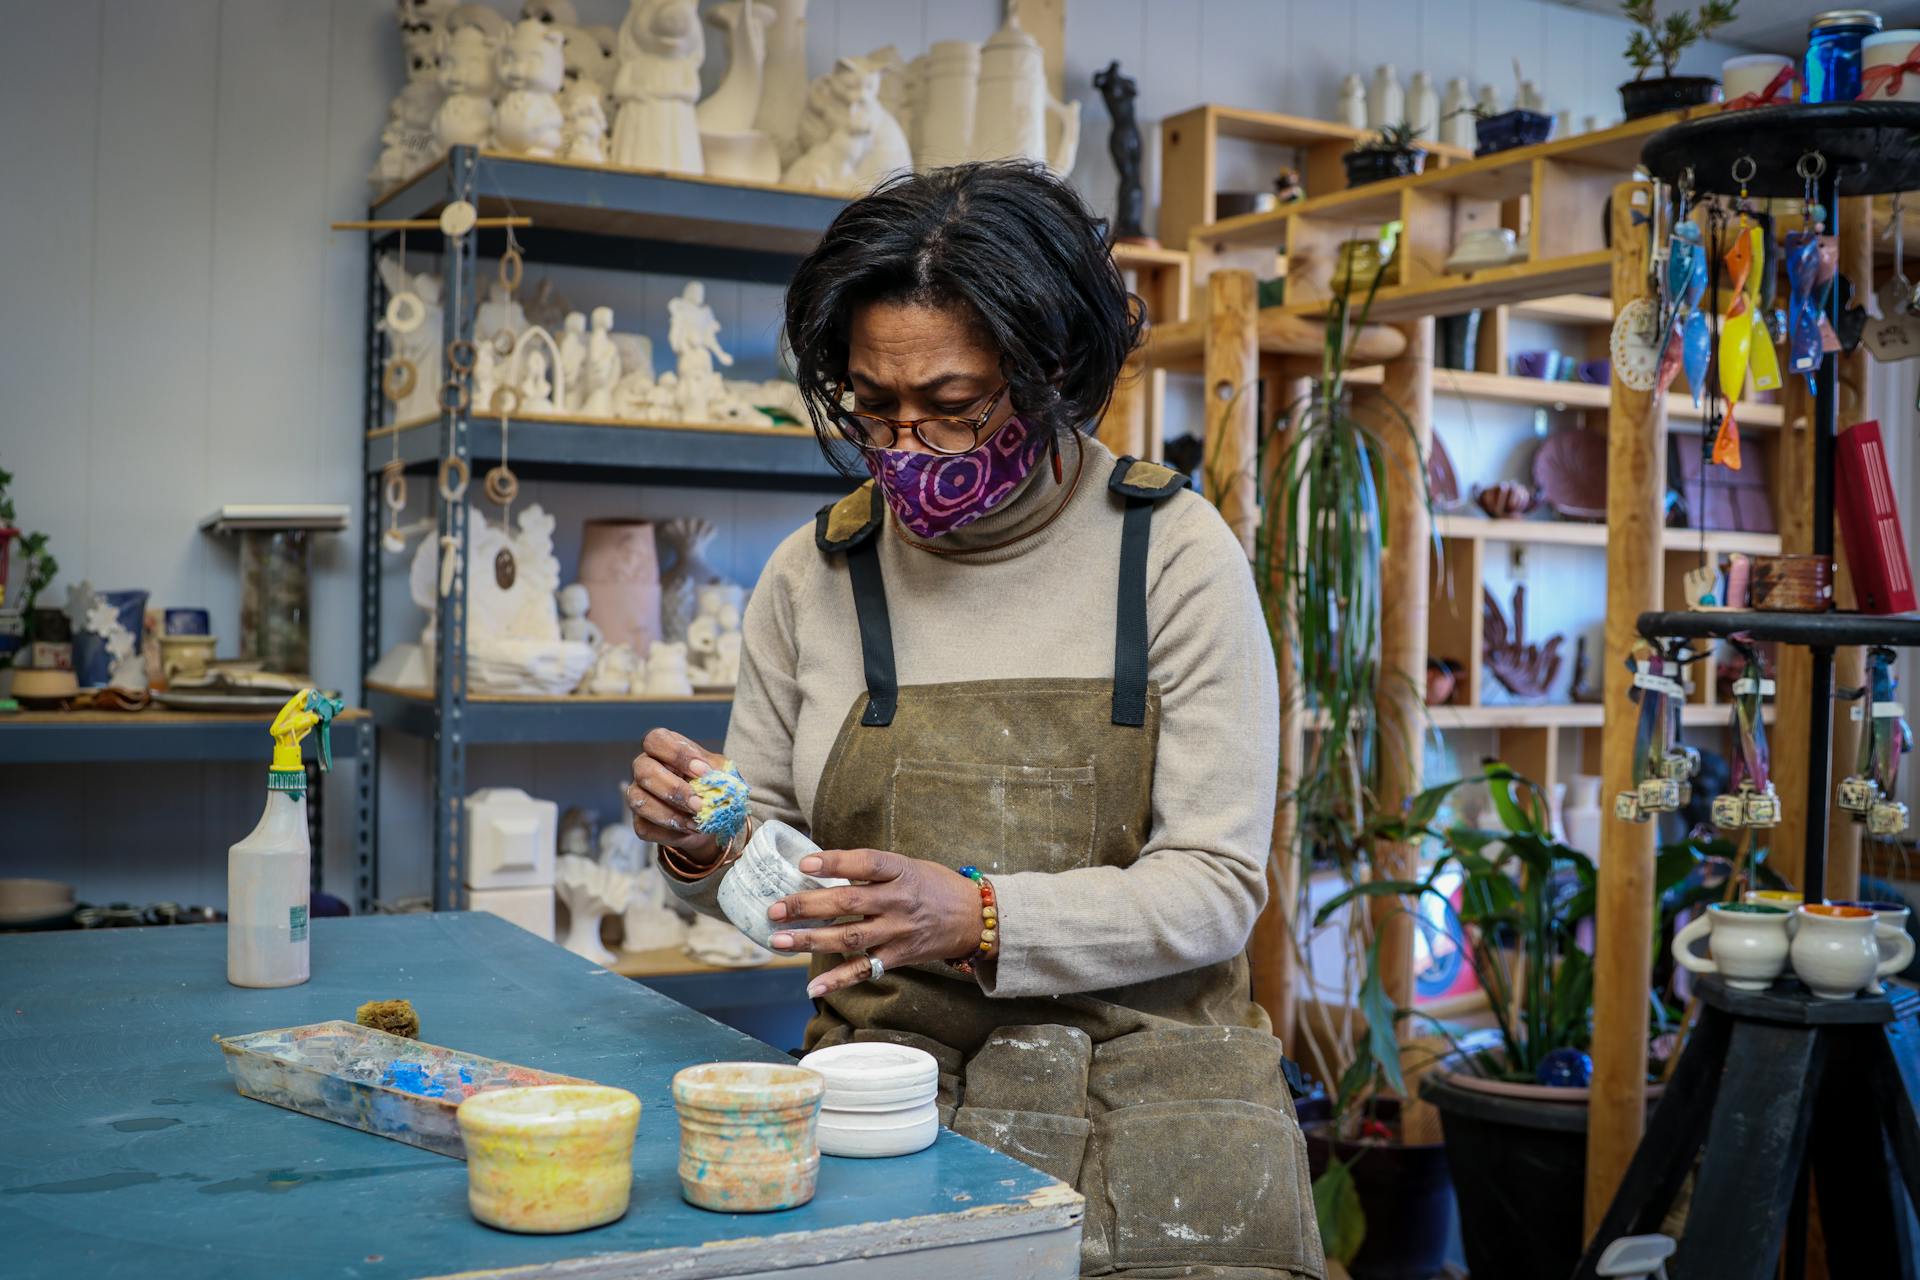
879	1099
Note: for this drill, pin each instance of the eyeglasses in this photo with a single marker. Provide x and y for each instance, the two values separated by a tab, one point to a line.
940	435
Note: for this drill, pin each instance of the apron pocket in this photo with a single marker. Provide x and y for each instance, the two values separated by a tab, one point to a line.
1189	1064
1000	818
1032	1069
1211	1183
1054	1145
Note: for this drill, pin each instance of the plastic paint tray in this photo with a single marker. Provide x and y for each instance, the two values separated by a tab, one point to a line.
370	1080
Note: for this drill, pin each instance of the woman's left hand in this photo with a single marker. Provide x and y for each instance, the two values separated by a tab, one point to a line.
910	912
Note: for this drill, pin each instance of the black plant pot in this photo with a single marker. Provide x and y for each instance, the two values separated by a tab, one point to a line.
1407	1196
1520	1168
1669	93
1511	129
1379	164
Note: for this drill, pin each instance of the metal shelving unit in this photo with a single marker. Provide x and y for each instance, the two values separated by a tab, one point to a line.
617	219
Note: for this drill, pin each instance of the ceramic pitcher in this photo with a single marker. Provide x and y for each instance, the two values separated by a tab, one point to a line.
1015	115
1747	943
1837	950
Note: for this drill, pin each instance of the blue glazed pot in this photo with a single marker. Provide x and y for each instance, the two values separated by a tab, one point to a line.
1511	129
92	664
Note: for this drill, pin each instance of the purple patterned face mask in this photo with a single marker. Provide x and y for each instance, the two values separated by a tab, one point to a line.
934	494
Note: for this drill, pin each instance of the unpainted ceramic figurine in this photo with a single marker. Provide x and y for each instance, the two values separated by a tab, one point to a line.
667	671
849	140
465	117
591	892
537	370
420	345
834	164
586	124
661	49
575	838
574	600
1456	115
1353	101
713	637
783	80
650	921
501	312
716	942
573	356
536	392
602	368
686	541
532	68
895	94
1016	116
693	332
407	141
614	673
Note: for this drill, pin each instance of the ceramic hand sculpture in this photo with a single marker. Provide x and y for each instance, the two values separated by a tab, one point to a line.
532	68
1123	144
407	142
592	892
1527	670
465	118
1015	115
602	370
730	146
661	49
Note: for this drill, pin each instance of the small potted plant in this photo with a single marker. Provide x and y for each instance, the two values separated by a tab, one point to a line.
1658	41
1393	152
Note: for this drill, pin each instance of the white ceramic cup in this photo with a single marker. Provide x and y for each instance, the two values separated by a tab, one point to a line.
1886	913
1888	49
1838	949
769	870
1747	943
1785	899
1752	73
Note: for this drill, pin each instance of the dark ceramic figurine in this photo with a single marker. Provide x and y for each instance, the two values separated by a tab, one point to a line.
1124	145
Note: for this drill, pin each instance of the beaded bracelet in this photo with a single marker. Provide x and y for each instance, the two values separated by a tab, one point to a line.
989	922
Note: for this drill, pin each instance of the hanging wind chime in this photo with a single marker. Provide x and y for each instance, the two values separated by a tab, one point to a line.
1867	793
1753	802
1663	766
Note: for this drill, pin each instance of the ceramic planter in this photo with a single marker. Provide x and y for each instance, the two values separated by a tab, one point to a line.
1511	129
1746	944
1667	93
1378	164
1838	951
1406	1193
747	1142
550	1158
879	1099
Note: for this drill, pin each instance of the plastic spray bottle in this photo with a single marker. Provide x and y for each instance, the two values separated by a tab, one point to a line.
268	872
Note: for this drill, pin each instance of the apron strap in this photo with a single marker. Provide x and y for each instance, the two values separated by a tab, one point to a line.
1143	486
876	632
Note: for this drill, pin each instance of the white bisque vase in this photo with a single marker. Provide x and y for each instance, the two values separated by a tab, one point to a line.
730	145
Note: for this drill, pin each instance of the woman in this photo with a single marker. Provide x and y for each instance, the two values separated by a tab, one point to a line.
1011	653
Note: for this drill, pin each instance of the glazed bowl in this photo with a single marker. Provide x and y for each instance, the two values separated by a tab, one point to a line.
549	1158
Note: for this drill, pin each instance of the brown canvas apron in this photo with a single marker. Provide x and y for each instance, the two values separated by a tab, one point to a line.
1162	1102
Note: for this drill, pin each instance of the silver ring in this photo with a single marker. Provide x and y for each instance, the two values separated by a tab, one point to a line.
875	969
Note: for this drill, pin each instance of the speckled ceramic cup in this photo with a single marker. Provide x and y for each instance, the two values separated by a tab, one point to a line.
549	1158
769	870
747	1142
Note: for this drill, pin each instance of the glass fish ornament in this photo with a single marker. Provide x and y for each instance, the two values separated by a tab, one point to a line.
1762	358
1803	311
1736	345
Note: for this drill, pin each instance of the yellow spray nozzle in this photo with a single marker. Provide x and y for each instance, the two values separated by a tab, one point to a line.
296	720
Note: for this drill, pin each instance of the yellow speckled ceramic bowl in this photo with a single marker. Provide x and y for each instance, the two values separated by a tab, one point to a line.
747	1137
549	1158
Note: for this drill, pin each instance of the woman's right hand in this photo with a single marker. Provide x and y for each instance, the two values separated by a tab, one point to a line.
659	799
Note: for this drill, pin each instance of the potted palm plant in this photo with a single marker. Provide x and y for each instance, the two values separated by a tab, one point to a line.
1658	41
1516	1099
1318	547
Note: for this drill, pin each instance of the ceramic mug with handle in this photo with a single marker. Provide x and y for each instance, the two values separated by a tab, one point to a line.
1746	944
1893	913
1838	949
1785	899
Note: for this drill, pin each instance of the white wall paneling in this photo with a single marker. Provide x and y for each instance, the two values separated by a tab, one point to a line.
180	330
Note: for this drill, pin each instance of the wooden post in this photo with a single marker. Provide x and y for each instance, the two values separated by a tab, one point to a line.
1407	437
1123	428
1636	484
1232	400
1793	667
1855	228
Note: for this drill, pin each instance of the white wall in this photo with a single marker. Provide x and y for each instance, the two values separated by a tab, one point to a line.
178	329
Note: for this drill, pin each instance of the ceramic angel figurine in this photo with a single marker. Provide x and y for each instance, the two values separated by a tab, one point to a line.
661	49
574	601
419	345
465	118
693	332
573	356
591	892
602	367
531	68
729	144
407	141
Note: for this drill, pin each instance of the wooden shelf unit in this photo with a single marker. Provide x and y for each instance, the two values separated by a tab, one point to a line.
1134	424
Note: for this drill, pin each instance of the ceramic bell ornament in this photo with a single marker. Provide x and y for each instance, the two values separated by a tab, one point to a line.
465	117
532	68
730	146
1015	116
661	49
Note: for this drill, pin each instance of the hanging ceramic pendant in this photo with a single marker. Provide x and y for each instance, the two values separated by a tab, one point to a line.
1634	345
1762	358
1803	312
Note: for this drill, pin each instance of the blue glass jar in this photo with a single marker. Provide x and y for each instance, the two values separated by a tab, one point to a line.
1832	70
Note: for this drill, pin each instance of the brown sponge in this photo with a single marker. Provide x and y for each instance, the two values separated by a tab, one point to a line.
396	1017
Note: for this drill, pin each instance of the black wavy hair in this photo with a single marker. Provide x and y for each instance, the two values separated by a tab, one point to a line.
1007	240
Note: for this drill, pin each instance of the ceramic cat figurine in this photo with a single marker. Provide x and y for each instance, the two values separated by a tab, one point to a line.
532	68
835	163
465	118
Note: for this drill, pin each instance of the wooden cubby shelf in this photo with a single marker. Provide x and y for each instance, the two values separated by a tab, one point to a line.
1571	533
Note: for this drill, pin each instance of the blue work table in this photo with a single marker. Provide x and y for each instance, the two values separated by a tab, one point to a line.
125	1151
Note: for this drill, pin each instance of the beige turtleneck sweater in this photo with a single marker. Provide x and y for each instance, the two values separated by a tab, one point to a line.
1044	607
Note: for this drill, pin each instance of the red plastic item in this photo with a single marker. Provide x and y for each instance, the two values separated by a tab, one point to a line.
1870	523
